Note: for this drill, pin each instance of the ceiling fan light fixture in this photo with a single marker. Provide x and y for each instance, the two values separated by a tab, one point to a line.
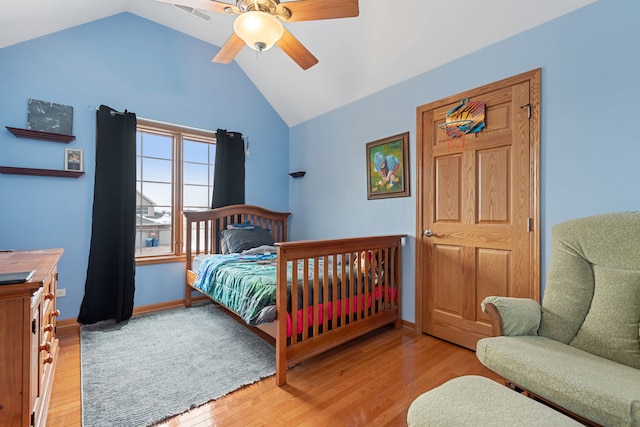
259	30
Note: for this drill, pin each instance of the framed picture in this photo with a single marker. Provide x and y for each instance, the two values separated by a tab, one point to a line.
388	167
73	160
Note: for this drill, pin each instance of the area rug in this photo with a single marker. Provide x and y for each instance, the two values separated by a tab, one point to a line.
154	366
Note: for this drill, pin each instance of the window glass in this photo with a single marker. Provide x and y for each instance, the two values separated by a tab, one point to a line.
195	173
174	172
196	151
159	146
193	196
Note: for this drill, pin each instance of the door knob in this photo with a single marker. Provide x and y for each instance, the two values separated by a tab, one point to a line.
428	232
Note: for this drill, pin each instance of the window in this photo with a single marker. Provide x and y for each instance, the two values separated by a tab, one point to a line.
174	172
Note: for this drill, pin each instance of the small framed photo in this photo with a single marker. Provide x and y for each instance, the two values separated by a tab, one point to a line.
73	160
388	167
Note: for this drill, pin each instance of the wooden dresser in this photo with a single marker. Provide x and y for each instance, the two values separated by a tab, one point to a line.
29	348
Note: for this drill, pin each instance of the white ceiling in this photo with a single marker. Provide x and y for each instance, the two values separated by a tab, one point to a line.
389	42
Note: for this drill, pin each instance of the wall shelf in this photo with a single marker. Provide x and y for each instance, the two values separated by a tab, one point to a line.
40	172
44	136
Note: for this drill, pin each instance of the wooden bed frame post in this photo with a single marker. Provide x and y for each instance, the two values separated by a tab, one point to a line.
188	261
398	273
281	316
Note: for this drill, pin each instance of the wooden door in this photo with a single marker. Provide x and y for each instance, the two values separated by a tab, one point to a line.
477	210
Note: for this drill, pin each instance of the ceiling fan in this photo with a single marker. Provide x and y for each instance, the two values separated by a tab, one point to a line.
258	24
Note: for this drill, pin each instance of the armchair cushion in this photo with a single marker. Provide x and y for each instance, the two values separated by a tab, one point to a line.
611	327
520	316
569	288
598	389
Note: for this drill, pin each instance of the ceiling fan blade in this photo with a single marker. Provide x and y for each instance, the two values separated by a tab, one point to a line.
296	51
229	50
307	10
211	5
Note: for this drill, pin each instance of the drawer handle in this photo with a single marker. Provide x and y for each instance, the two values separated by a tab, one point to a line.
50	295
48	328
45	347
48	359
55	313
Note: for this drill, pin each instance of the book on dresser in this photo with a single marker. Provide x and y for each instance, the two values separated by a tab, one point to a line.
29	352
17	277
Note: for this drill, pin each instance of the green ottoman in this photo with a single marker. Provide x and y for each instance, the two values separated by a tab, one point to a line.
478	401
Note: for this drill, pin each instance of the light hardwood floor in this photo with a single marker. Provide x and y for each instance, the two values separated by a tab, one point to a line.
370	381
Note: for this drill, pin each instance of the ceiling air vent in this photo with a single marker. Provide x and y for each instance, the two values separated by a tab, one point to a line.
194	12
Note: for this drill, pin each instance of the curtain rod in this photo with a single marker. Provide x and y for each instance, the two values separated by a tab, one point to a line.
114	112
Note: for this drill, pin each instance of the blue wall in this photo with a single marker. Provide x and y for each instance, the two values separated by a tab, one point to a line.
589	145
125	62
588	156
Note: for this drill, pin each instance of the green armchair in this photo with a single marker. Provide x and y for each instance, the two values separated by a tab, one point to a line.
580	349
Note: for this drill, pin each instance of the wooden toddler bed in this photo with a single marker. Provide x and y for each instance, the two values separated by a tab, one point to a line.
358	278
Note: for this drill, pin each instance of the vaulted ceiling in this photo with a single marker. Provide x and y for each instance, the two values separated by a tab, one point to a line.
389	42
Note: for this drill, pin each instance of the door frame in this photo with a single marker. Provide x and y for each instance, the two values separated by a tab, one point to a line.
422	191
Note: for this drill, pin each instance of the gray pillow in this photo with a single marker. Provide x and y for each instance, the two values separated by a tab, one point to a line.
246	225
261	250
237	240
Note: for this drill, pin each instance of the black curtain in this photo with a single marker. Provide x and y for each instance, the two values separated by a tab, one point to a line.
109	287
228	179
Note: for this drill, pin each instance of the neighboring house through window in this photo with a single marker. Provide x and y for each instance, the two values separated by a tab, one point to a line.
174	167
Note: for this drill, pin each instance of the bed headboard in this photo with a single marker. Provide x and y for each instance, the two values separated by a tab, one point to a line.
202	227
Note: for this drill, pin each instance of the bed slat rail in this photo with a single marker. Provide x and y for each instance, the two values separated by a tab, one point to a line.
357	282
